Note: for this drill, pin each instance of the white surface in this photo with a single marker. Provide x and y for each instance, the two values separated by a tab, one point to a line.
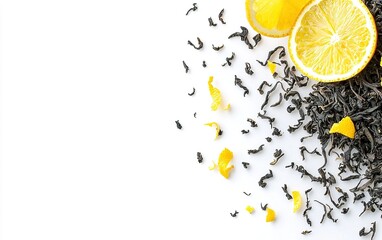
90	91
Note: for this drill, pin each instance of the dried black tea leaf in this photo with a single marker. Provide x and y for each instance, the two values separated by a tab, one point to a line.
265	177
186	67
229	60
211	22
200	44
254	151
221	16
199	157
178	125
243	36
257	39
217	48
192	93
239	83
248	68
193	8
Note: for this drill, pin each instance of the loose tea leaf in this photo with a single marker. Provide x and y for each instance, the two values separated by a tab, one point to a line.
217	48
239	83
254	151
192	93
270	54
229	60
257	39
178	125
265	177
194	8
285	190
200	44
372	230
186	67
245	164
234	214
252	122
243	36
199	157
211	22
221	16
248	68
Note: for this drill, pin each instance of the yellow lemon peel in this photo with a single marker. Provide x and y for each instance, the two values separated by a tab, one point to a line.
271	215
213	166
224	159
272	67
250	209
297	200
380	64
215	94
217	127
344	127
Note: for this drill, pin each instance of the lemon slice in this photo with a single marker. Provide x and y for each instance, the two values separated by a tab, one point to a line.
273	18
333	40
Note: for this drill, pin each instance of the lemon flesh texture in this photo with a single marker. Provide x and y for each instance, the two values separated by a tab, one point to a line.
334	39
273	18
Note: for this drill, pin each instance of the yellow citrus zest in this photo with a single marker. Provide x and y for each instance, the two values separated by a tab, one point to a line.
273	18
272	67
213	166
250	209
271	215
297	200
215	94
333	40
224	159
344	127
217	127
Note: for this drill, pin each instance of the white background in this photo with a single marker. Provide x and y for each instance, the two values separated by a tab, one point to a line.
90	91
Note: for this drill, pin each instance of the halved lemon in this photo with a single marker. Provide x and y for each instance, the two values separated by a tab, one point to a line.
273	18
333	40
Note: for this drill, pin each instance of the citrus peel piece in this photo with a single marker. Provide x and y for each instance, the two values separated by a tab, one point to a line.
225	158
271	215
217	127
344	127
272	67
297	200
213	166
215	94
250	209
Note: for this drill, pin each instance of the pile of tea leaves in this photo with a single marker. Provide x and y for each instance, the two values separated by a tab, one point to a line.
360	98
